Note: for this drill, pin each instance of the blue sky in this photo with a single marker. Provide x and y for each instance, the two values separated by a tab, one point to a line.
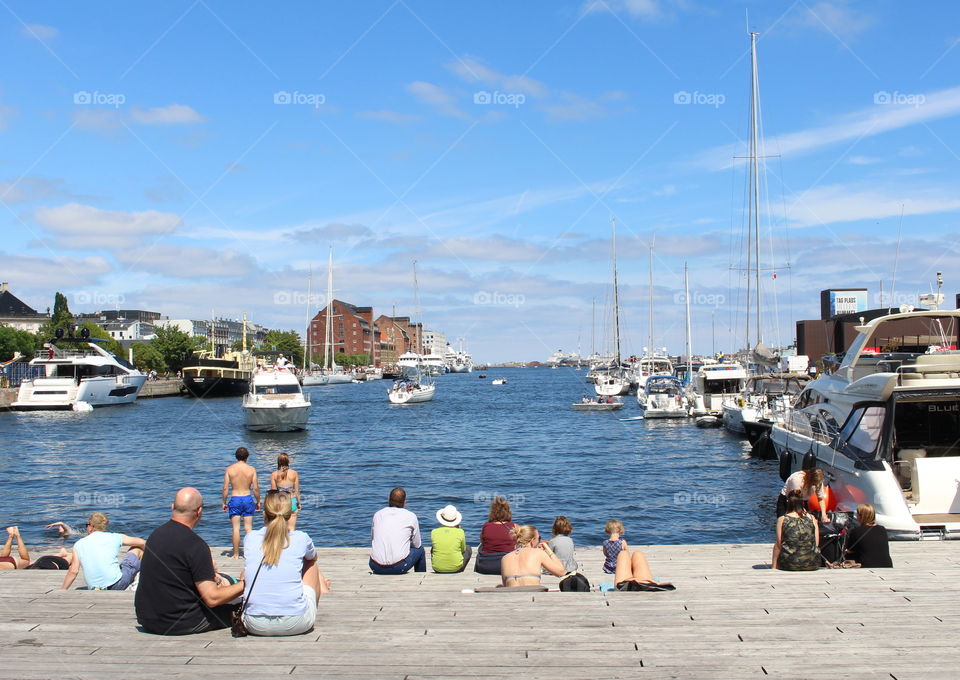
194	156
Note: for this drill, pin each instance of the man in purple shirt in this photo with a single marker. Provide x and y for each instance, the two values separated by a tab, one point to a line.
395	538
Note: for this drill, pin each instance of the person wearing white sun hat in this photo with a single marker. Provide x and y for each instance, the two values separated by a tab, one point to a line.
449	552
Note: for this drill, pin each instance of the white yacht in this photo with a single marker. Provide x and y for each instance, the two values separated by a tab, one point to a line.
714	383
662	397
650	365
885	425
433	364
458	361
764	401
79	375
275	402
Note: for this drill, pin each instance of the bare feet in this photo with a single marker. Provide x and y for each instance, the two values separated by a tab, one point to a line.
13	531
324	585
234	557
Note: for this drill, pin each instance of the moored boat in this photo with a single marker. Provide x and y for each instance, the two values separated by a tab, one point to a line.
275	402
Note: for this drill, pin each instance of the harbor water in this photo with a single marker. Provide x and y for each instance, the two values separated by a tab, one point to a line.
667	481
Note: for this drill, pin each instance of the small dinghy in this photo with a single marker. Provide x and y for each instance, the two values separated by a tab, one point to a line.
709	421
604	404
499	381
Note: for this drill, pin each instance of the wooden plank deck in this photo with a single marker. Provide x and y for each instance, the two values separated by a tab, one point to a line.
726	619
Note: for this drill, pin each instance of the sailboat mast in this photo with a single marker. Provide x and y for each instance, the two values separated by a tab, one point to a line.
328	336
306	358
593	329
650	301
416	305
755	180
686	296
244	346
616	293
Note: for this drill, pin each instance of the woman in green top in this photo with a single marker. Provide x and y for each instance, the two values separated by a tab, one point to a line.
798	536
449	552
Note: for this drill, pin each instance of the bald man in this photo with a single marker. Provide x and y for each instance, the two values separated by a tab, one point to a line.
180	592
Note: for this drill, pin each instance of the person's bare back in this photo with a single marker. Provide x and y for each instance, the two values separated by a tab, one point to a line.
241	496
241	478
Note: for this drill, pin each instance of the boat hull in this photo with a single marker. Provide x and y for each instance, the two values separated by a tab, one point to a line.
52	394
598	407
277	418
414	396
209	387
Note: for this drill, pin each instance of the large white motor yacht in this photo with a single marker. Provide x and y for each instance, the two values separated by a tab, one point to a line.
275	402
79	375
885	425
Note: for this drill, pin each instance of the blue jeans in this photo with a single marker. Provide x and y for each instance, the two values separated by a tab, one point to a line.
417	559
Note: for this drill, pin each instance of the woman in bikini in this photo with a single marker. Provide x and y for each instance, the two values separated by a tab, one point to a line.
522	566
287	481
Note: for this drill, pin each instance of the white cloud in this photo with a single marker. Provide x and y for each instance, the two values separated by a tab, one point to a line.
188	262
330	232
863	123
105	121
438	98
837	17
472	71
40	32
27	189
174	114
843	203
86	227
862	160
44	275
639	9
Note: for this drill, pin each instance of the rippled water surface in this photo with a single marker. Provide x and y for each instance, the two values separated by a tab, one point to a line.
668	481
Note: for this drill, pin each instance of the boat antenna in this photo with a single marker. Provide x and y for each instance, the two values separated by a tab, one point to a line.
896	259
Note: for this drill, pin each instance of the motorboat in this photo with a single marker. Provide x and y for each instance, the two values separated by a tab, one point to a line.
885	425
662	397
649	365
765	400
275	402
714	383
599	404
499	381
79	375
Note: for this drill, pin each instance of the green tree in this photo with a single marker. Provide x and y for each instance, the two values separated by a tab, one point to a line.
13	340
287	342
146	357
175	346
61	318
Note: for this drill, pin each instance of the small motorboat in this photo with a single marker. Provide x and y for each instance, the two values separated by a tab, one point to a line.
709	421
499	381
482	376
604	404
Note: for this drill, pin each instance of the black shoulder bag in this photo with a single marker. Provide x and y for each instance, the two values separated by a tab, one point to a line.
237	627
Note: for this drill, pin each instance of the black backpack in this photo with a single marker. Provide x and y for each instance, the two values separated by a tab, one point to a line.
574	582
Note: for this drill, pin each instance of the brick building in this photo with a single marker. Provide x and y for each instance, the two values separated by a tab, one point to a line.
397	336
354	331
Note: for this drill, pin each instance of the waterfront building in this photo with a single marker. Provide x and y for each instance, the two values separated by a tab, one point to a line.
434	342
15	313
354	331
401	333
222	333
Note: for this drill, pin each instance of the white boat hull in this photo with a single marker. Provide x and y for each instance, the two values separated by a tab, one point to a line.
314	380
43	394
412	396
282	418
612	387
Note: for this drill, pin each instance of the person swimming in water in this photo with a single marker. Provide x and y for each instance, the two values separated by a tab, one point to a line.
287	481
240	481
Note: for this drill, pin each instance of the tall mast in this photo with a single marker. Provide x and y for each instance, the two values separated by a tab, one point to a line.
686	296
328	335
616	294
244	333
593	329
306	358
650	301
416	306
754	187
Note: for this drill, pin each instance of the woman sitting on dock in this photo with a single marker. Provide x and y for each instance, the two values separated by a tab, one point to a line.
283	584
522	566
798	536
867	544
496	539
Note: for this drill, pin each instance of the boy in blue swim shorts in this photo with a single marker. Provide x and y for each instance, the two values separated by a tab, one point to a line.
240	482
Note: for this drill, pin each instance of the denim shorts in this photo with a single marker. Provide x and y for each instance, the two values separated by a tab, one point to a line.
277	626
129	568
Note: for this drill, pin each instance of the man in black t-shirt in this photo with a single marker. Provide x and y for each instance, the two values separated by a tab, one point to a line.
179	591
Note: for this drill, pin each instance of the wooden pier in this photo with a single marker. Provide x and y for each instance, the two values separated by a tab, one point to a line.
728	618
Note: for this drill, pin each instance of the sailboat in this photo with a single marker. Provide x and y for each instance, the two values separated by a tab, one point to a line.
616	382
309	377
651	363
331	373
415	386
749	405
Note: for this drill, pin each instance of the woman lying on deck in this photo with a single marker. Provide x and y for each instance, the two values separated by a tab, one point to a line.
633	573
61	560
522	566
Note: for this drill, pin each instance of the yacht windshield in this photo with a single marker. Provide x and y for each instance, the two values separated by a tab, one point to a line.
277	389
861	433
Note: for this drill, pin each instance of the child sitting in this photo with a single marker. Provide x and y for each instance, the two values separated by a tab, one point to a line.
613	545
562	544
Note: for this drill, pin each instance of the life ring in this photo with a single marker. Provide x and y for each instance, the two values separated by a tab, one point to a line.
785	465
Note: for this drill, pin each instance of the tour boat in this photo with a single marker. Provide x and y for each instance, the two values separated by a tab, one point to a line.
885	425
662	397
275	402
228	376
80	375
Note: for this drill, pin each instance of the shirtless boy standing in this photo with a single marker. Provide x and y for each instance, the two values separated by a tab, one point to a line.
241	478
